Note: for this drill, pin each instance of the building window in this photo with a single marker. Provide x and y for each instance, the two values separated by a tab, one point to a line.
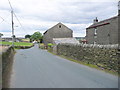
59	26
95	31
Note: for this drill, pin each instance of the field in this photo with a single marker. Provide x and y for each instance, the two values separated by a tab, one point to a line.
26	40
17	43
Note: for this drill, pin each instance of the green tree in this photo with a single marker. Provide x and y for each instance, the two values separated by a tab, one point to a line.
37	36
41	40
1	35
27	36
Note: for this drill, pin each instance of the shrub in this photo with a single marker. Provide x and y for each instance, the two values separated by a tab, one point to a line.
50	44
42	46
50	47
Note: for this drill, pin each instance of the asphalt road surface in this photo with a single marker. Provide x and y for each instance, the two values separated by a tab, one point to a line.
36	68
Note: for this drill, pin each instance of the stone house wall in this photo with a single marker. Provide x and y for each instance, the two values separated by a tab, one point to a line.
106	34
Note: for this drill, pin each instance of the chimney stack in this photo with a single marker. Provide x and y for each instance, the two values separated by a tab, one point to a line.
95	20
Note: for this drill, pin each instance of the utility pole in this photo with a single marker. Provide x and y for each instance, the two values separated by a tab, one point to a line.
119	8
12	28
119	23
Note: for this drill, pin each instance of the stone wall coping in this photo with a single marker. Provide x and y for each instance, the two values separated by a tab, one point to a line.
112	46
5	50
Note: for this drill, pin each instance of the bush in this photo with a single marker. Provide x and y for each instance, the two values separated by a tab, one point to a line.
50	44
50	47
42	46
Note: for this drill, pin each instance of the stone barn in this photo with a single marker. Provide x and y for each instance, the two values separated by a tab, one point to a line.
103	32
57	41
57	31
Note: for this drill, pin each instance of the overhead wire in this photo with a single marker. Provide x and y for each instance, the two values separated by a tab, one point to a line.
19	22
10	5
3	20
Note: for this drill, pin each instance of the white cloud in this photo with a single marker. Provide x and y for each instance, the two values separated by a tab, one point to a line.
40	15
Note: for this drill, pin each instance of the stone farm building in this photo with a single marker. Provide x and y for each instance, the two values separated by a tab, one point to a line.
57	31
103	32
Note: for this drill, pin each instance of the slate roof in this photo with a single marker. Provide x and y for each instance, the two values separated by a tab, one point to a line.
101	23
65	40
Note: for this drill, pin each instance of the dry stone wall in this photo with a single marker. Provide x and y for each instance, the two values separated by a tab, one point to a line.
7	61
105	57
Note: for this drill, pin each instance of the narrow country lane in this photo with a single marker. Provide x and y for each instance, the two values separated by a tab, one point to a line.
36	68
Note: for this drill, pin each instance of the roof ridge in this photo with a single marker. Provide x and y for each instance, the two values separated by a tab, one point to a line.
102	21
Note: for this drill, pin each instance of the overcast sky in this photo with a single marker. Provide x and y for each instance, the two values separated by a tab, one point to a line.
40	15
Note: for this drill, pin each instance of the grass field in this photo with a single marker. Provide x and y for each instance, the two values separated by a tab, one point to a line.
26	40
17	43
